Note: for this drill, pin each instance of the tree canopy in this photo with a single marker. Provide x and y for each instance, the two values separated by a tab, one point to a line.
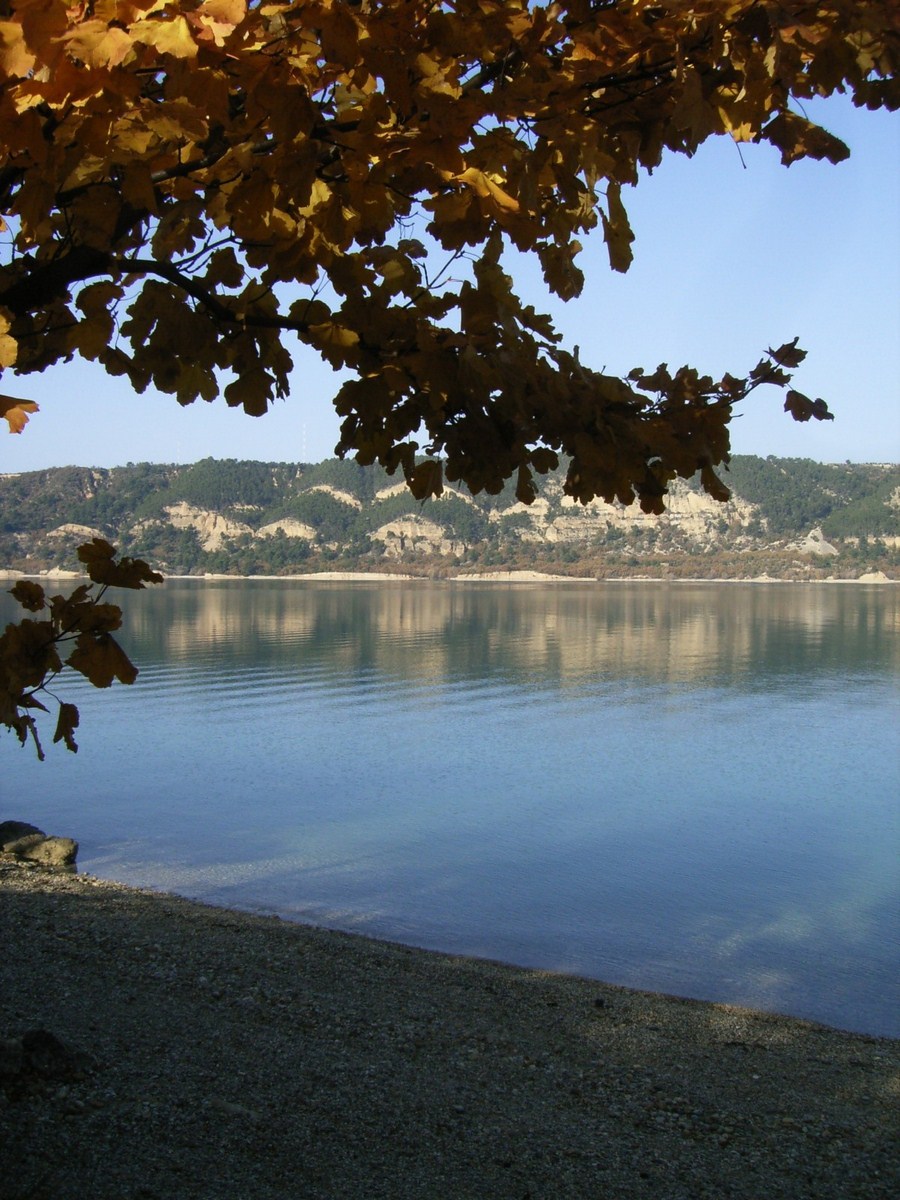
196	192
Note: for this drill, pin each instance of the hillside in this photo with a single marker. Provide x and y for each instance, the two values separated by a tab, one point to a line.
790	518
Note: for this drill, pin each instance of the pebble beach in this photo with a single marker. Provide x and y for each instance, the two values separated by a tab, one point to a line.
153	1048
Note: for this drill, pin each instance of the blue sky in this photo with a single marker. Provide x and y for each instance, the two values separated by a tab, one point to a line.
734	253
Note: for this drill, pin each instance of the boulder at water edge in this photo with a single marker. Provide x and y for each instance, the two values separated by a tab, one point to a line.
27	843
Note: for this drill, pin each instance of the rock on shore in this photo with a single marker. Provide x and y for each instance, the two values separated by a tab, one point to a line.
30	844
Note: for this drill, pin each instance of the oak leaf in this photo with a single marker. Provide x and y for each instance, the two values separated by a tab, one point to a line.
16	412
29	594
802	408
168	36
617	231
66	725
100	660
100	559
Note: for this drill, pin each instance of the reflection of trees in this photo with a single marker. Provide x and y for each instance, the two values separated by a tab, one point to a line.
573	632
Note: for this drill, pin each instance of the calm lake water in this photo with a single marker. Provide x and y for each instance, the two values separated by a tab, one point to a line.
686	788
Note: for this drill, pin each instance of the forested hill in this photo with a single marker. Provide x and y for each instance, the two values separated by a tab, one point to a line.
787	517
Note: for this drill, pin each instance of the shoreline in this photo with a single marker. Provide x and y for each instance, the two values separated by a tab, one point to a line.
873	578
220	1053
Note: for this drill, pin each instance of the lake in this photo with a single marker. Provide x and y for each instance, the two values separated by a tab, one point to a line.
689	788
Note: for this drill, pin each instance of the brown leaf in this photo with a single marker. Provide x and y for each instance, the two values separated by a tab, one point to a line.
796	137
30	595
66	725
100	559
802	408
617	231
101	660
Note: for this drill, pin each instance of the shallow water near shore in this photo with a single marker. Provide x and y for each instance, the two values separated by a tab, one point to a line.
683	788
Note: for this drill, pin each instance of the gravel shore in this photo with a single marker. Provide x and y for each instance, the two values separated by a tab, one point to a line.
202	1053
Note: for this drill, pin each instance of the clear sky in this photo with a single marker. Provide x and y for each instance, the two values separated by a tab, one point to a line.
734	253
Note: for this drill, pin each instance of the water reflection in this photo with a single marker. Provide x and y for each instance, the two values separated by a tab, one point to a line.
686	788
426	630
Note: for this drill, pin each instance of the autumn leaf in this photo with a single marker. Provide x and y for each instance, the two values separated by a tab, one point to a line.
713	485
101	660
66	725
426	479
97	44
616	230
100	559
526	492
802	408
29	594
335	342
16	412
788	355
16	60
252	391
28	654
29	651
168	36
796	137
9	347
488	189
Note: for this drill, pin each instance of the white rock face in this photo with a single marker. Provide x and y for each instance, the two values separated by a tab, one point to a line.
398	489
417	533
344	497
394	490
519	577
693	514
211	527
814	543
290	528
71	529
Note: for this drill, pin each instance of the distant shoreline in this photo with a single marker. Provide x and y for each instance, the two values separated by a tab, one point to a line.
508	577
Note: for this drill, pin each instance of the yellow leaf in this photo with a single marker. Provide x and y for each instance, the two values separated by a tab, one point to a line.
229	12
485	187
168	36
16	412
16	60
9	347
98	45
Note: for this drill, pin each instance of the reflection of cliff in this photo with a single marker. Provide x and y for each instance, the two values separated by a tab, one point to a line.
572	632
